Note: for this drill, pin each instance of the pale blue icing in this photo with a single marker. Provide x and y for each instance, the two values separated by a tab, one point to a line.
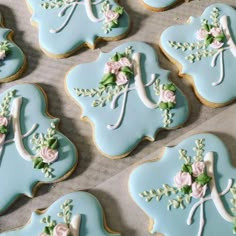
18	175
78	31
14	60
139	121
201	71
159	3
84	204
152	175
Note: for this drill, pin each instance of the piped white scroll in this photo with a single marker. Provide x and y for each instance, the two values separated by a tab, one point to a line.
18	138
139	87
88	8
215	196
138	81
225	27
75	225
231	46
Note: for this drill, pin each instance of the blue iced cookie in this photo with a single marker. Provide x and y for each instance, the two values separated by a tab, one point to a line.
189	190
12	59
75	214
67	25
127	98
205	53
159	5
32	150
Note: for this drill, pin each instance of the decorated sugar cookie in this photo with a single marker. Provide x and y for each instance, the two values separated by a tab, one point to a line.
32	150
159	5
127	97
75	214
205	52
66	25
189	191
12	59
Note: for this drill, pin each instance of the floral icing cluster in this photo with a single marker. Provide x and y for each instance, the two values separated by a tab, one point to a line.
53	228
118	70
4	49
190	181
212	35
4	115
167	100
210	38
111	16
167	96
46	147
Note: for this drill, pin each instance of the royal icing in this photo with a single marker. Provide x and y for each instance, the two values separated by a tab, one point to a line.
66	25
206	50
30	144
12	59
126	94
159	4
75	214
196	197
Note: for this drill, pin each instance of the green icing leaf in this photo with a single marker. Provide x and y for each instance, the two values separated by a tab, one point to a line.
206	27
108	79
3	129
220	37
203	179
163	105
38	163
187	168
186	189
127	70
118	56
170	87
119	10
53	143
115	58
209	39
48	230
170	105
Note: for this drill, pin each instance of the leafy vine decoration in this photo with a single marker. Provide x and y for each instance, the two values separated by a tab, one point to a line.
51	224
103	94
183	197
209	38
4	50
49	143
5	111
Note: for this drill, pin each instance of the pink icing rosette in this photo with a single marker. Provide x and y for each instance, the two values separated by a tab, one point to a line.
201	34
182	179
2	55
3	121
167	96
112	67
48	155
121	78
110	15
198	190
125	62
216	31
216	44
198	168
61	230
